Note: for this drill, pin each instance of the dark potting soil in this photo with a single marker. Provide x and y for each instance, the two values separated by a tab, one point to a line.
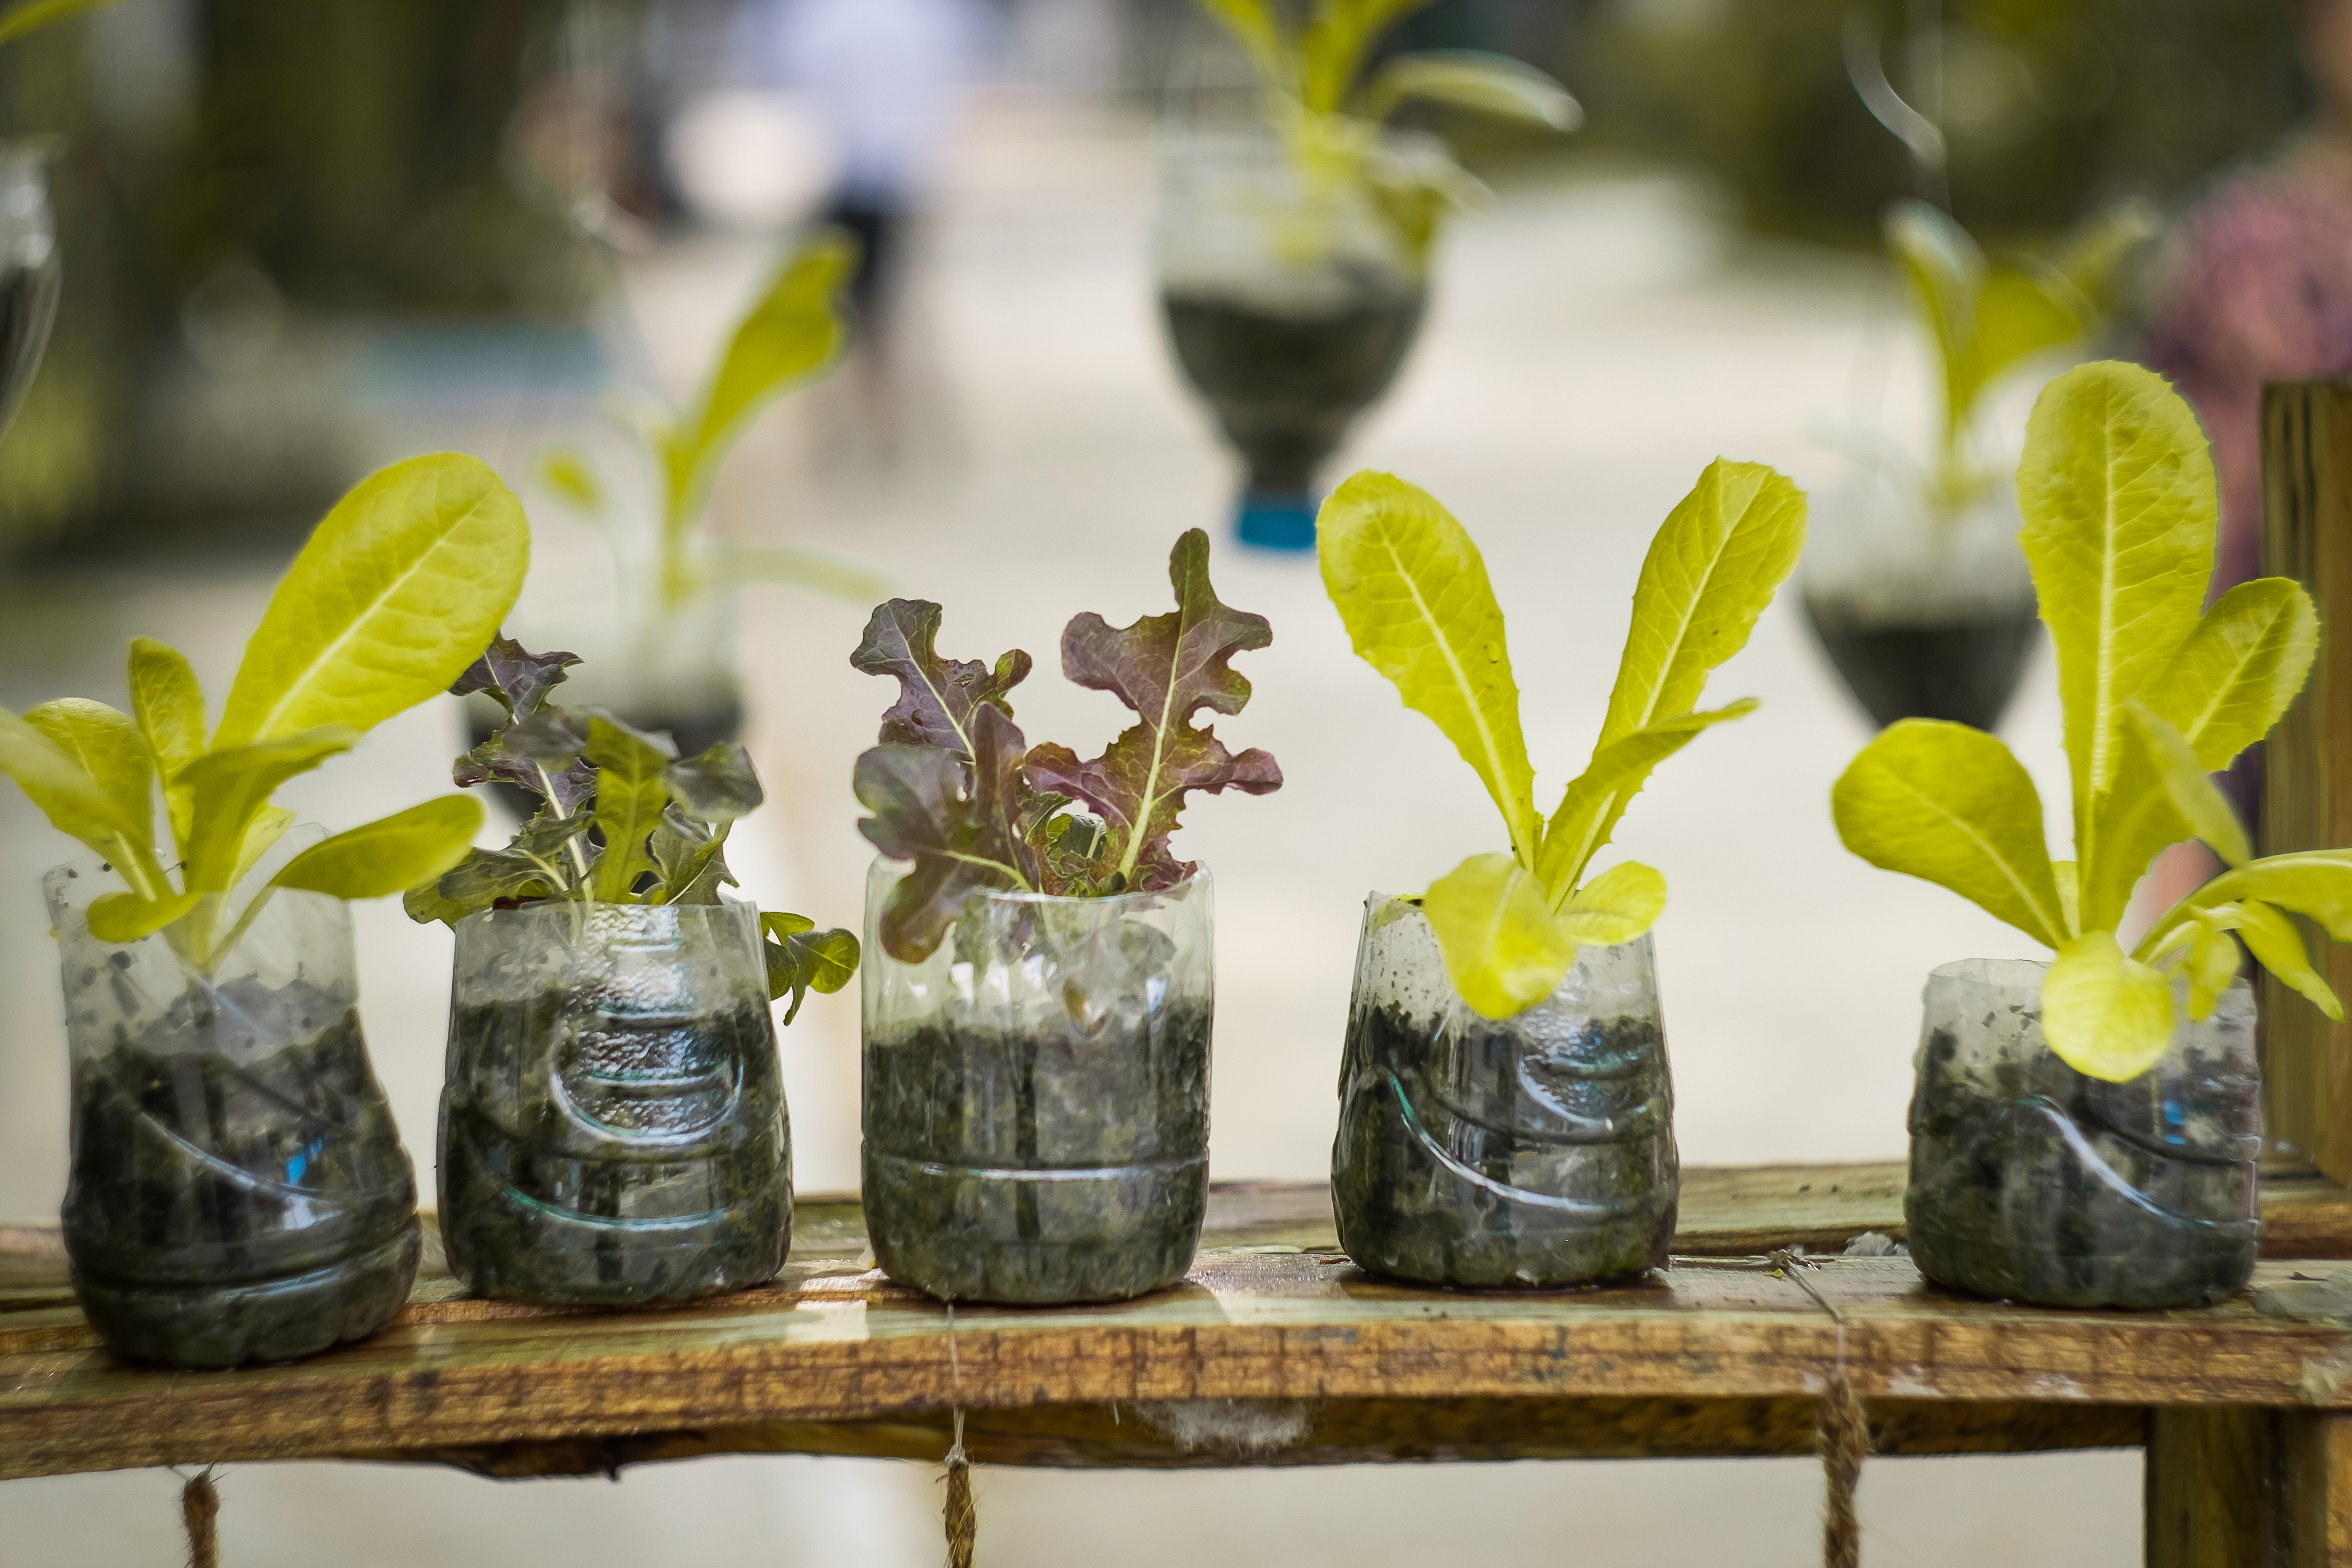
1038	1170
1482	1158
636	1159
226	1208
1963	670
1287	388
2044	1186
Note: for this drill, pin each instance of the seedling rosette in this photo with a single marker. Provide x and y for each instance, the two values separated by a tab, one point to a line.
1413	590
1037	1016
2117	490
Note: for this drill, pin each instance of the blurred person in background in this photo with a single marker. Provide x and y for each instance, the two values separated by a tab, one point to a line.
888	79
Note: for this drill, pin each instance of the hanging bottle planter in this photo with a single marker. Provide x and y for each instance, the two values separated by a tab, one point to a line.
239	1192
665	657
30	267
613	1125
1914	585
1294	254
1038	1013
2084	1131
1506	1111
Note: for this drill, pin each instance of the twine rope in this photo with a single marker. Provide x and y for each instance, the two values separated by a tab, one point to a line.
1841	1427
962	1516
200	1512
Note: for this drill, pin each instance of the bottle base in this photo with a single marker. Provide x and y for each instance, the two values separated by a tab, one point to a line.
215	1326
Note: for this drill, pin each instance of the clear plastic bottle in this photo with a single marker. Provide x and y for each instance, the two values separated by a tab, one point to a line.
2033	1183
1291	301
612	1126
1036	1095
239	1192
1526	1152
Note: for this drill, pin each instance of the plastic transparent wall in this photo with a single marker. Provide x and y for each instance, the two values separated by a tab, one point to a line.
1532	1150
1291	301
1036	1095
1924	616
613	1129
238	1191
2033	1183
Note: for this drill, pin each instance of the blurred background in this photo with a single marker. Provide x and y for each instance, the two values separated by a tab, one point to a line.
299	241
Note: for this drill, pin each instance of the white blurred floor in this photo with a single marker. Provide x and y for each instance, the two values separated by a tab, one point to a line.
1594	343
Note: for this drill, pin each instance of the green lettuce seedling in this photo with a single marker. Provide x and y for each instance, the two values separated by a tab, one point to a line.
957	790
30	15
792	334
1331	123
623	820
1413	590
2117	492
1985	320
391	597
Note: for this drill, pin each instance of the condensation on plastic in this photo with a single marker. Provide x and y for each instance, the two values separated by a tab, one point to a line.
238	1191
1526	1151
613	1127
1036	1095
2033	1183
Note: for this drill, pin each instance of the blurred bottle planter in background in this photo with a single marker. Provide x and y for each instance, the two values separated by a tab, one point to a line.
1036	1095
1533	1151
2033	1183
613	1127
1924	617
1292	298
238	1191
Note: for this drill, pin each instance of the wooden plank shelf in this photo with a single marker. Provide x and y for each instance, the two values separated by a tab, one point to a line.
1274	1350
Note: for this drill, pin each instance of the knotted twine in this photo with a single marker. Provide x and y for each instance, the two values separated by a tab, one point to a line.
963	1516
1841	1427
200	1511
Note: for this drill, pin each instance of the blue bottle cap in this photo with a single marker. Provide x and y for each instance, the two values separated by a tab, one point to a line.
1277	520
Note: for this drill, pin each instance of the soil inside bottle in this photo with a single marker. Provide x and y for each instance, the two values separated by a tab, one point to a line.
2030	1182
1496	1161
617	1159
1115	1128
231	1204
1965	668
1286	387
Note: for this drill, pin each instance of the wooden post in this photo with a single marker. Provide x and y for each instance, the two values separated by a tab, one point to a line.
2236	1487
2307	767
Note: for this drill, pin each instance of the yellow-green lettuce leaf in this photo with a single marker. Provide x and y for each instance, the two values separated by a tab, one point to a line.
1597	798
1412	590
169	706
390	855
1617	906
1951	804
2240	669
2116	487
1502	949
230	788
2106	1015
398	591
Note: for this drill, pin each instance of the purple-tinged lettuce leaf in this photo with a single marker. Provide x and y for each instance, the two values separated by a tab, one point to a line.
717	784
936	696
961	824
1168	668
519	680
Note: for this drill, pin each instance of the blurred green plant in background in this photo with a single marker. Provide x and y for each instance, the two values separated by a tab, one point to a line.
2050	107
251	167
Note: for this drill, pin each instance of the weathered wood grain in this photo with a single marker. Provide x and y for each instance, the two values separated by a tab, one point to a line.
834	1358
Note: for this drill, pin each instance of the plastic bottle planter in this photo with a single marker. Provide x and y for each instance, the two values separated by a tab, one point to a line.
29	272
1038	1096
2033	1183
1290	306
1925	617
613	1129
239	1192
1533	1151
